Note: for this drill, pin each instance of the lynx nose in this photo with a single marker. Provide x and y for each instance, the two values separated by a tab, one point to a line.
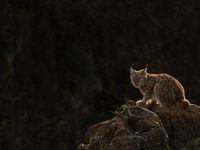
136	80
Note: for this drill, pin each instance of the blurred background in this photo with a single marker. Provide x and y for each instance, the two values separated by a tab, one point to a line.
64	65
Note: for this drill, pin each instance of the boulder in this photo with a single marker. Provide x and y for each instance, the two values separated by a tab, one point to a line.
182	125
133	127
151	128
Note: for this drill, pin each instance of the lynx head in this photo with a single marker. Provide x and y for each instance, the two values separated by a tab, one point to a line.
138	77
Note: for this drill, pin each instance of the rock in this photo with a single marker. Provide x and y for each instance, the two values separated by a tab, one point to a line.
182	125
133	127
193	144
138	128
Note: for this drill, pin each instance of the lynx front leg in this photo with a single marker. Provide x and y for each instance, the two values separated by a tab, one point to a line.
156	95
143	101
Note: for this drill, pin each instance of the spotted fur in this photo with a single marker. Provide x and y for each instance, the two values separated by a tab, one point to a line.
162	88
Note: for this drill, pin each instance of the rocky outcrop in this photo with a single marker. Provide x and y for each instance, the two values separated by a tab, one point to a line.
133	127
138	128
182	125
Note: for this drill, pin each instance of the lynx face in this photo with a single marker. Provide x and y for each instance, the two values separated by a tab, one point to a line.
138	78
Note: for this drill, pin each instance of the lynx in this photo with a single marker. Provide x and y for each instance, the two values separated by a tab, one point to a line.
162	88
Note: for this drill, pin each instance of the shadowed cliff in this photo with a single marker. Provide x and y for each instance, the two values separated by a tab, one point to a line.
64	65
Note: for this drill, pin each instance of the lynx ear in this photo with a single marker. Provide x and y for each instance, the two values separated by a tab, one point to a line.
131	68
145	69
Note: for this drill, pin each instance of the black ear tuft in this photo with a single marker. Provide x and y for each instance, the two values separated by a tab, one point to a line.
131	65
145	69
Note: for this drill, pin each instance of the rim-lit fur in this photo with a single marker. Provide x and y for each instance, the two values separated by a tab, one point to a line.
163	88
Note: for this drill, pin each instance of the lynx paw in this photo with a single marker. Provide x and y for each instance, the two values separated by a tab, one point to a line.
151	102
140	103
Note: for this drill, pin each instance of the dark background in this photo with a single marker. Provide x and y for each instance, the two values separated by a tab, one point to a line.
64	64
